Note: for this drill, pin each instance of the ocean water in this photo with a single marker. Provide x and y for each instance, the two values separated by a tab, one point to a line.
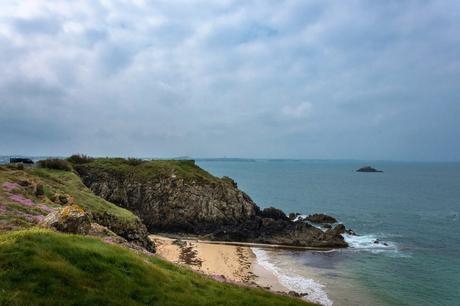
413	207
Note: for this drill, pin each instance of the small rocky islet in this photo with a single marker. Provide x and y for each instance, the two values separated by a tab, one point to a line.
368	169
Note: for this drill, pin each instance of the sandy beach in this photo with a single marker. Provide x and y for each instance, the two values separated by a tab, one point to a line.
224	262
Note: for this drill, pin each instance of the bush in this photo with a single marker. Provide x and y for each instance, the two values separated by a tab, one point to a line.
134	161
55	163
80	159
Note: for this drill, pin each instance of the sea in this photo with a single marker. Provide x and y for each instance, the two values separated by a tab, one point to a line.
411	208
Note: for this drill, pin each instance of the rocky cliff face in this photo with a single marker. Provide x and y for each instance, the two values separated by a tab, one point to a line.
180	197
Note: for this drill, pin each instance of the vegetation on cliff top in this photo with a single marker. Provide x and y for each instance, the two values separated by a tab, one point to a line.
145	170
40	267
45	189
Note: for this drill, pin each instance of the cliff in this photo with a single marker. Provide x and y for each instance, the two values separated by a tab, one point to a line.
179	197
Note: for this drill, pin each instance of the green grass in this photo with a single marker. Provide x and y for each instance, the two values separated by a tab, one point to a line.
70	183
40	267
56	182
147	170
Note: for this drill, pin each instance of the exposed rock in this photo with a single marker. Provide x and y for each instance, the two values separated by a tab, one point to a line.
351	232
292	216
294	294
70	219
368	169
273	213
327	225
321	218
134	231
337	230
168	201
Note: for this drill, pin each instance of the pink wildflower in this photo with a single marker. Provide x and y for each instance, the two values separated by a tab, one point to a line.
21	200
9	186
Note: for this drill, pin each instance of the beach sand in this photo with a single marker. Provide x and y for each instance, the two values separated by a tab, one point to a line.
224	262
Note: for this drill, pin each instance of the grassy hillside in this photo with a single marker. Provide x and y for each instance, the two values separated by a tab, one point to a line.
21	207
40	267
146	170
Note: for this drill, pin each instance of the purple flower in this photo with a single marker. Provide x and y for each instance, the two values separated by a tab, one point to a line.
9	186
29	203
21	200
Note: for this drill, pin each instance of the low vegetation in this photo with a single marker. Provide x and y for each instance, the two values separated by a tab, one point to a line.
55	163
145	170
26	196
40	267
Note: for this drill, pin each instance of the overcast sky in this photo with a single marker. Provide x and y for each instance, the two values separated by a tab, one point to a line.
271	79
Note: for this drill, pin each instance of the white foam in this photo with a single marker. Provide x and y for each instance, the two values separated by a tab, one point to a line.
367	243
294	282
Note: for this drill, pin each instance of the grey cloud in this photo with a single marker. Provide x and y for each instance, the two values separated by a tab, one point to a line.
302	79
38	25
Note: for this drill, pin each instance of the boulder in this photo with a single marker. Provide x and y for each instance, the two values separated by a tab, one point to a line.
70	219
321	218
337	230
292	216
351	232
273	213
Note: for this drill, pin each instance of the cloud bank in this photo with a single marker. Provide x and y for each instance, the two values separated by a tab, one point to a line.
300	79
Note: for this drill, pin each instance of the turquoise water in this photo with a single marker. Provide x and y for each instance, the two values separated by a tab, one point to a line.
413	207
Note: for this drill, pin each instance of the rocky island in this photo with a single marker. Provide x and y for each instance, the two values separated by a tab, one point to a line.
368	169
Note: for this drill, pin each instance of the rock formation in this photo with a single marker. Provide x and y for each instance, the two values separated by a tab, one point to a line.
320	218
179	197
70	219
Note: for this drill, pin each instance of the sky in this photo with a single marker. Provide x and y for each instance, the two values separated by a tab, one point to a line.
257	79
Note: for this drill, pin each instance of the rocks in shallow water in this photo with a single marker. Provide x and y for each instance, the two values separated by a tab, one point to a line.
377	241
368	169
327	225
351	232
292	216
273	213
321	218
70	219
337	230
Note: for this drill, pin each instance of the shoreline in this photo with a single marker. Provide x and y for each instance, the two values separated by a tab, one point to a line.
230	262
227	262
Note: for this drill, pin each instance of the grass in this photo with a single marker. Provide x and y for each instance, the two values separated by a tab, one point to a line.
54	182
64	182
40	267
147	170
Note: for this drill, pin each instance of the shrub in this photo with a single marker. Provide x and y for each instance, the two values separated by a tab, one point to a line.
55	163
134	161
80	159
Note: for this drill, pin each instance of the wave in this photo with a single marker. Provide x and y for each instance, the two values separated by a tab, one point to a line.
367	243
294	282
